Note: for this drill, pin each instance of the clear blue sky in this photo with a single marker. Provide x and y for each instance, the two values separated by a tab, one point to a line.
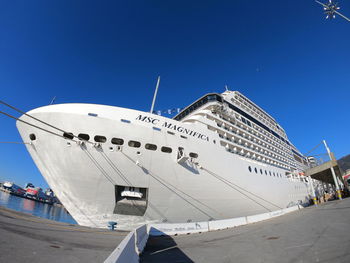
283	55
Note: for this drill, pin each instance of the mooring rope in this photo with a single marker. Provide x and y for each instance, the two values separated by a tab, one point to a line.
233	185
37	127
167	185
41	121
17	142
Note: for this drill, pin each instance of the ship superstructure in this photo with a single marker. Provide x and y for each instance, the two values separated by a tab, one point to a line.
246	129
221	157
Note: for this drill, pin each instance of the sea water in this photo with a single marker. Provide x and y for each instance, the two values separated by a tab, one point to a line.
47	211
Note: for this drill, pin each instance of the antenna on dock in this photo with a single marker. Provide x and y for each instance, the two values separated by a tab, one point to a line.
155	94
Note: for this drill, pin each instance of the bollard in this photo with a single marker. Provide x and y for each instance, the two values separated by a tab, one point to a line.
111	225
339	194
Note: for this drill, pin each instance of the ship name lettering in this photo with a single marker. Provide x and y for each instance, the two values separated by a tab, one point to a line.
147	119
172	126
184	130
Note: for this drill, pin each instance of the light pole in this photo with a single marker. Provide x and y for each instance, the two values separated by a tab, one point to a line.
331	9
332	170
313	190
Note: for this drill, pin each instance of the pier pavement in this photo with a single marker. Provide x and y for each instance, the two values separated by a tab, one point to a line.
26	238
313	234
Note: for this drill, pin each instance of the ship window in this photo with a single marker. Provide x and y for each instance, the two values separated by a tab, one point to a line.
250	169
212	98
274	174
261	171
193	155
265	172
270	173
183	136
83	136
32	137
170	132
99	138
134	144
151	147
166	149
68	135
126	121
117	141
256	170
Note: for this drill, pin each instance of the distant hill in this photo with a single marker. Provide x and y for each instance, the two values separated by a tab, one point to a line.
344	163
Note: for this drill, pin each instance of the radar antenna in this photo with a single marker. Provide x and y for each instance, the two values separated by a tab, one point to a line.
330	9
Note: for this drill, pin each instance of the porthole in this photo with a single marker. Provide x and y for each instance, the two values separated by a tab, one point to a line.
270	173
193	155
117	141
151	147
166	149
32	137
135	144
256	170
83	136
68	135
261	171
250	169
100	138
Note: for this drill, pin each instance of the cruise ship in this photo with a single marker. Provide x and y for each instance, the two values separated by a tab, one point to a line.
221	157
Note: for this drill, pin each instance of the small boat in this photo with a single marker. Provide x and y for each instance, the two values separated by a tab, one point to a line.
35	193
13	188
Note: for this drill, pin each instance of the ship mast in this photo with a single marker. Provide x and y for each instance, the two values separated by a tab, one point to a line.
155	94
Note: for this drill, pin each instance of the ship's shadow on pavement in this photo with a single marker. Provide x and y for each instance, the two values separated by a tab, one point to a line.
163	249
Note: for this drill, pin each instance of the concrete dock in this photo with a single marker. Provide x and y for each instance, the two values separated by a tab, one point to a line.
26	238
314	234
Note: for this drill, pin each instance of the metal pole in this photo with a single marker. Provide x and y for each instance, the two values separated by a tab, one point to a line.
313	190
332	170
155	94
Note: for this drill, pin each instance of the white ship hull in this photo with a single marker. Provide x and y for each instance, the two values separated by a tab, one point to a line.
84	176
